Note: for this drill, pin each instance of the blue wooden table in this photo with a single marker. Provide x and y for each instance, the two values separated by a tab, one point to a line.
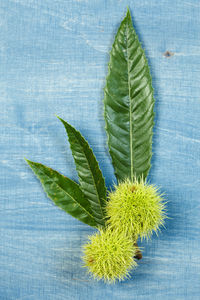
54	57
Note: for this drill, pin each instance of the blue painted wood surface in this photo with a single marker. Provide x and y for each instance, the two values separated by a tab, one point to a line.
54	57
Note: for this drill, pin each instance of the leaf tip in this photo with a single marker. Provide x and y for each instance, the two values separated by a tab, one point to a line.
28	161
128	13
58	117
64	122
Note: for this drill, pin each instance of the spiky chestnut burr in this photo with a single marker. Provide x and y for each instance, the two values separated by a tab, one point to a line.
109	255
137	208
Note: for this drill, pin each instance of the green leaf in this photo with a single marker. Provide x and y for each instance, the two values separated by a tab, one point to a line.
64	192
90	177
128	105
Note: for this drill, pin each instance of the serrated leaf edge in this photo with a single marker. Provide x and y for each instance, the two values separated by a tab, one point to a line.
29	163
103	200
128	15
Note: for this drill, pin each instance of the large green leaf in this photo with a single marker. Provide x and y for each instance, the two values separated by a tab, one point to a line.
91	180
128	103
64	192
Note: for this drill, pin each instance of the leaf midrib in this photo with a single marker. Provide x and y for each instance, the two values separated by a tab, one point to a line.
130	106
92	177
68	194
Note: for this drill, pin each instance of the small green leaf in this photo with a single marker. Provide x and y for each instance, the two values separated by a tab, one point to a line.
64	192
91	179
129	102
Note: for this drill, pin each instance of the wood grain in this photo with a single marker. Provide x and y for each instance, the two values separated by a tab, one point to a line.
54	57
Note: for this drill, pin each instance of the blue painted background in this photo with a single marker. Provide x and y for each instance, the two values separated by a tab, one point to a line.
54	56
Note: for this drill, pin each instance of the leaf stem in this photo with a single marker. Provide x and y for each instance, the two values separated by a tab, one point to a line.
138	254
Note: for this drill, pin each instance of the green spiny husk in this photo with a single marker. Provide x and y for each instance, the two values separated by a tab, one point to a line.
136	207
109	255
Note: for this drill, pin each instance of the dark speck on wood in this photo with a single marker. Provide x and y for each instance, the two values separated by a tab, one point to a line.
168	54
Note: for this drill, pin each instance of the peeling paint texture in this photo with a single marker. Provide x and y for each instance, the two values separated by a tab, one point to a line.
54	57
